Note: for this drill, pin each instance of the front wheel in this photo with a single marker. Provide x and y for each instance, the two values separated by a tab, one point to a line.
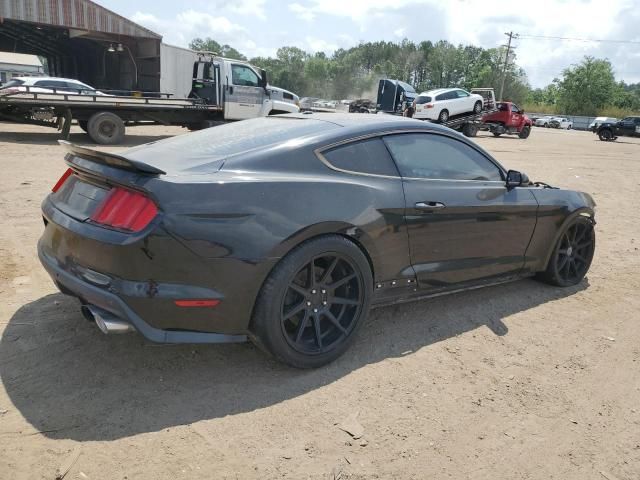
524	133
477	108
314	302
605	135
572	255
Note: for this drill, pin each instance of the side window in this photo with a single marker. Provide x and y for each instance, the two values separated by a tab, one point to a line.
462	94
423	155
366	156
514	109
244	76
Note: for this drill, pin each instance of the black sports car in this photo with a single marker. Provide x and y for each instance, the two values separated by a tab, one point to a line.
285	230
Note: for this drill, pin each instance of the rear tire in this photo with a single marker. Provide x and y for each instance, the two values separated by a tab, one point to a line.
299	316
477	108
106	128
572	254
443	116
525	132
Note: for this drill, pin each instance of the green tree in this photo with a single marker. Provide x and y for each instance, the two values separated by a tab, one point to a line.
210	45
587	88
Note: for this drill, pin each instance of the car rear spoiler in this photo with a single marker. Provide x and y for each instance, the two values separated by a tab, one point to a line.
110	159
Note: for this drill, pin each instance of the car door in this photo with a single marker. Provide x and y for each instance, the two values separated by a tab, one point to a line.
464	102
244	96
463	223
516	116
636	129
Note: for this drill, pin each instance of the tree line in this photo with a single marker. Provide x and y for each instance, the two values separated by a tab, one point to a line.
585	89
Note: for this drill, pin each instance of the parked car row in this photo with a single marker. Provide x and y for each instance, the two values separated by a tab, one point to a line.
554	122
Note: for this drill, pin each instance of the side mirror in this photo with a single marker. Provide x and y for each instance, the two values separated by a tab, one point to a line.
263	78
516	179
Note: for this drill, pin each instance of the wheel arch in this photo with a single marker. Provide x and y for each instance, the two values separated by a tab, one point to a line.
584	211
363	242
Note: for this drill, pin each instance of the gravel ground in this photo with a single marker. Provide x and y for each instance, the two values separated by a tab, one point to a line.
519	381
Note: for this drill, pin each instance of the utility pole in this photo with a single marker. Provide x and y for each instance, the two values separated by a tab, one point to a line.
511	36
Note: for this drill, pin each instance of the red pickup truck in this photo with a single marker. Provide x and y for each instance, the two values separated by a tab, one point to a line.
508	119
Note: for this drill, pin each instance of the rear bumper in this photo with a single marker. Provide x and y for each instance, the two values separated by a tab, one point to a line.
71	282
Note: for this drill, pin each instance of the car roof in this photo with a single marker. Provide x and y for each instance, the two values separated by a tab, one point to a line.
436	91
36	79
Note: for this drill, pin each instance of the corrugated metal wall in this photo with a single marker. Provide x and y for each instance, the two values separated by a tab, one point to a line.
80	14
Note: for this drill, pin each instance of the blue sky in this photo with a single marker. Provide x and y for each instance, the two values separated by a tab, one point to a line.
259	27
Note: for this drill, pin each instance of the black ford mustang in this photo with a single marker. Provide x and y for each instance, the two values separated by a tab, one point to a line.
286	230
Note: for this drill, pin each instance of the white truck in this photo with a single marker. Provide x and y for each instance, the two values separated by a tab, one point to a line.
199	90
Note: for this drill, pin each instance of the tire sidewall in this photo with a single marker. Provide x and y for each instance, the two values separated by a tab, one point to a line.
93	127
266	321
552	270
445	113
475	107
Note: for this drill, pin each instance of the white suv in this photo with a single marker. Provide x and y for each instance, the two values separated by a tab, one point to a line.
67	86
443	103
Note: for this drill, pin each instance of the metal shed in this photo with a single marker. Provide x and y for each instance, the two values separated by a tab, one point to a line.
83	40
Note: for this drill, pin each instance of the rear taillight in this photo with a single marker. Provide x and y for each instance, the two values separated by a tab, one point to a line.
429	105
125	210
63	179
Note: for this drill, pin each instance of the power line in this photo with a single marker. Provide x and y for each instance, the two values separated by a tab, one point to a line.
549	37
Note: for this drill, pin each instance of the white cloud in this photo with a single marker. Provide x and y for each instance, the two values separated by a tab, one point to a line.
302	12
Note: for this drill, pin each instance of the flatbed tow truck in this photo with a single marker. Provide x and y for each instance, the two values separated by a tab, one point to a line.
497	117
222	90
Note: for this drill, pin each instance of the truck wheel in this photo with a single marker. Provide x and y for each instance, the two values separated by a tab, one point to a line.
444	116
524	133
106	128
83	125
470	130
605	135
497	134
477	108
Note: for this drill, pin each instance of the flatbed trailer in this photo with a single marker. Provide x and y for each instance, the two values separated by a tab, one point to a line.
222	90
104	117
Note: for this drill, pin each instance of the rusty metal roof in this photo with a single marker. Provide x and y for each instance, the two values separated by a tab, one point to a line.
78	14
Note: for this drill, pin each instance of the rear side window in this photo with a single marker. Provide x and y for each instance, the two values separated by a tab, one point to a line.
366	156
442	96
422	99
461	94
438	157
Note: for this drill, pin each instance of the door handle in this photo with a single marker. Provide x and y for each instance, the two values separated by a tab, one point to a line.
429	205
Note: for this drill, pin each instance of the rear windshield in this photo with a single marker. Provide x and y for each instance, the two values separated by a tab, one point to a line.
422	99
12	83
208	148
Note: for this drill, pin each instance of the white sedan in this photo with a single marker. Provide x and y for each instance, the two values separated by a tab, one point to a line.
543	121
443	103
66	86
561	122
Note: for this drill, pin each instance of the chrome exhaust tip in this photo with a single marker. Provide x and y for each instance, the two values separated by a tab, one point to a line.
106	322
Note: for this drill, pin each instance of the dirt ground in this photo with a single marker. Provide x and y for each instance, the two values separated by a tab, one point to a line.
519	381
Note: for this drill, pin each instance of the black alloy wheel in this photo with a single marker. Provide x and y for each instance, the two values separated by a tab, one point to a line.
313	302
321	305
605	135
572	256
